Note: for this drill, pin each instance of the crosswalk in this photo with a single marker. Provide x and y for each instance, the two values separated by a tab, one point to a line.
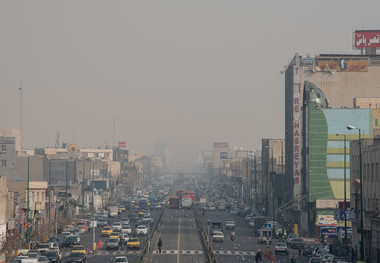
234	253
217	252
109	252
189	252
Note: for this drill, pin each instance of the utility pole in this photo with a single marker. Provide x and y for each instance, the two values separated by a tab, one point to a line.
20	88
66	209
255	174
83	184
49	212
27	208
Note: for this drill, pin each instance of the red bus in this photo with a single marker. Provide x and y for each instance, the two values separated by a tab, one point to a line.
174	201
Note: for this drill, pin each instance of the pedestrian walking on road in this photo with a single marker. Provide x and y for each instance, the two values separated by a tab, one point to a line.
159	244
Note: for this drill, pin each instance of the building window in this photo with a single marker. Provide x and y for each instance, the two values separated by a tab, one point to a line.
4	148
376	122
3	163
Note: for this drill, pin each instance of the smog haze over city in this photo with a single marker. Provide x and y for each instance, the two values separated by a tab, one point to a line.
185	73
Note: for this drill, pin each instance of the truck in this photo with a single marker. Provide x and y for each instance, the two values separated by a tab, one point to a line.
186	202
265	236
113	211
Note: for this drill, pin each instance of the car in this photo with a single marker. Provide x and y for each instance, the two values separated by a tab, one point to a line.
221	207
217	236
120	259
116	226
281	248
102	221
71	241
54	246
318	250
53	256
212	208
112	243
336	259
251	223
290	236
325	256
124	238
315	260
296	242
78	248
230	224
124	221
147	219
77	257
126	229
33	254
106	231
142	230
121	208
308	250
133	242
42	259
115	234
42	248
234	211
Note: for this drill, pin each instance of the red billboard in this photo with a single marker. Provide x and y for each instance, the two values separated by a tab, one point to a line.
221	145
122	144
367	39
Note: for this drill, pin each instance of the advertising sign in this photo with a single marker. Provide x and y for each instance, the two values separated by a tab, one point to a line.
297	144
122	144
326	220
343	65
367	39
340	230
329	231
324	203
224	155
221	145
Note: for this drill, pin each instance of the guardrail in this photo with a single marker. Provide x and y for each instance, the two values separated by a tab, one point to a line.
151	240
206	244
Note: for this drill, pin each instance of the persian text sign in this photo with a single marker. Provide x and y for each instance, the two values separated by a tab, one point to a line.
296	144
122	144
326	220
342	65
367	39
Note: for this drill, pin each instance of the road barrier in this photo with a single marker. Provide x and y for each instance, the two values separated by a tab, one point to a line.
206	244
147	252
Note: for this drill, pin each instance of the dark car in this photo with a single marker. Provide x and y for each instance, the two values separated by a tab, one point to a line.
77	257
308	250
53	256
134	217
71	241
296	242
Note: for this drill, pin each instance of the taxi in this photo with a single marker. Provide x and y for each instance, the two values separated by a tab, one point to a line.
79	248
141	213
115	234
133	242
121	208
106	231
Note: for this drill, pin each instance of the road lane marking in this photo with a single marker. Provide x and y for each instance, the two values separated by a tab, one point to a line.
179	237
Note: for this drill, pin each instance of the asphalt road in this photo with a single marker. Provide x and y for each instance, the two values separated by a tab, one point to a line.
180	238
245	246
103	255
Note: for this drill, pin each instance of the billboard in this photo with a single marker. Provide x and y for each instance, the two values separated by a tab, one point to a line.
329	231
297	158
122	144
221	145
366	39
344	65
223	155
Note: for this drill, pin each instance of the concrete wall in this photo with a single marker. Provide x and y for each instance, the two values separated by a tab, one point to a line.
35	168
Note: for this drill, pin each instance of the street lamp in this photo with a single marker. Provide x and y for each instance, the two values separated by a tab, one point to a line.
350	127
274	230
345	198
283	186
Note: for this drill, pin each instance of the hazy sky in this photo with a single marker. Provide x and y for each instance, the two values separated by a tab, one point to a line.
188	73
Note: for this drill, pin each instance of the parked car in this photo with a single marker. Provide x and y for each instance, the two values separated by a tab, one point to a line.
281	248
77	257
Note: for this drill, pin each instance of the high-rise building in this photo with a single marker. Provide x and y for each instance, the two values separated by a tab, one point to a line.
319	95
